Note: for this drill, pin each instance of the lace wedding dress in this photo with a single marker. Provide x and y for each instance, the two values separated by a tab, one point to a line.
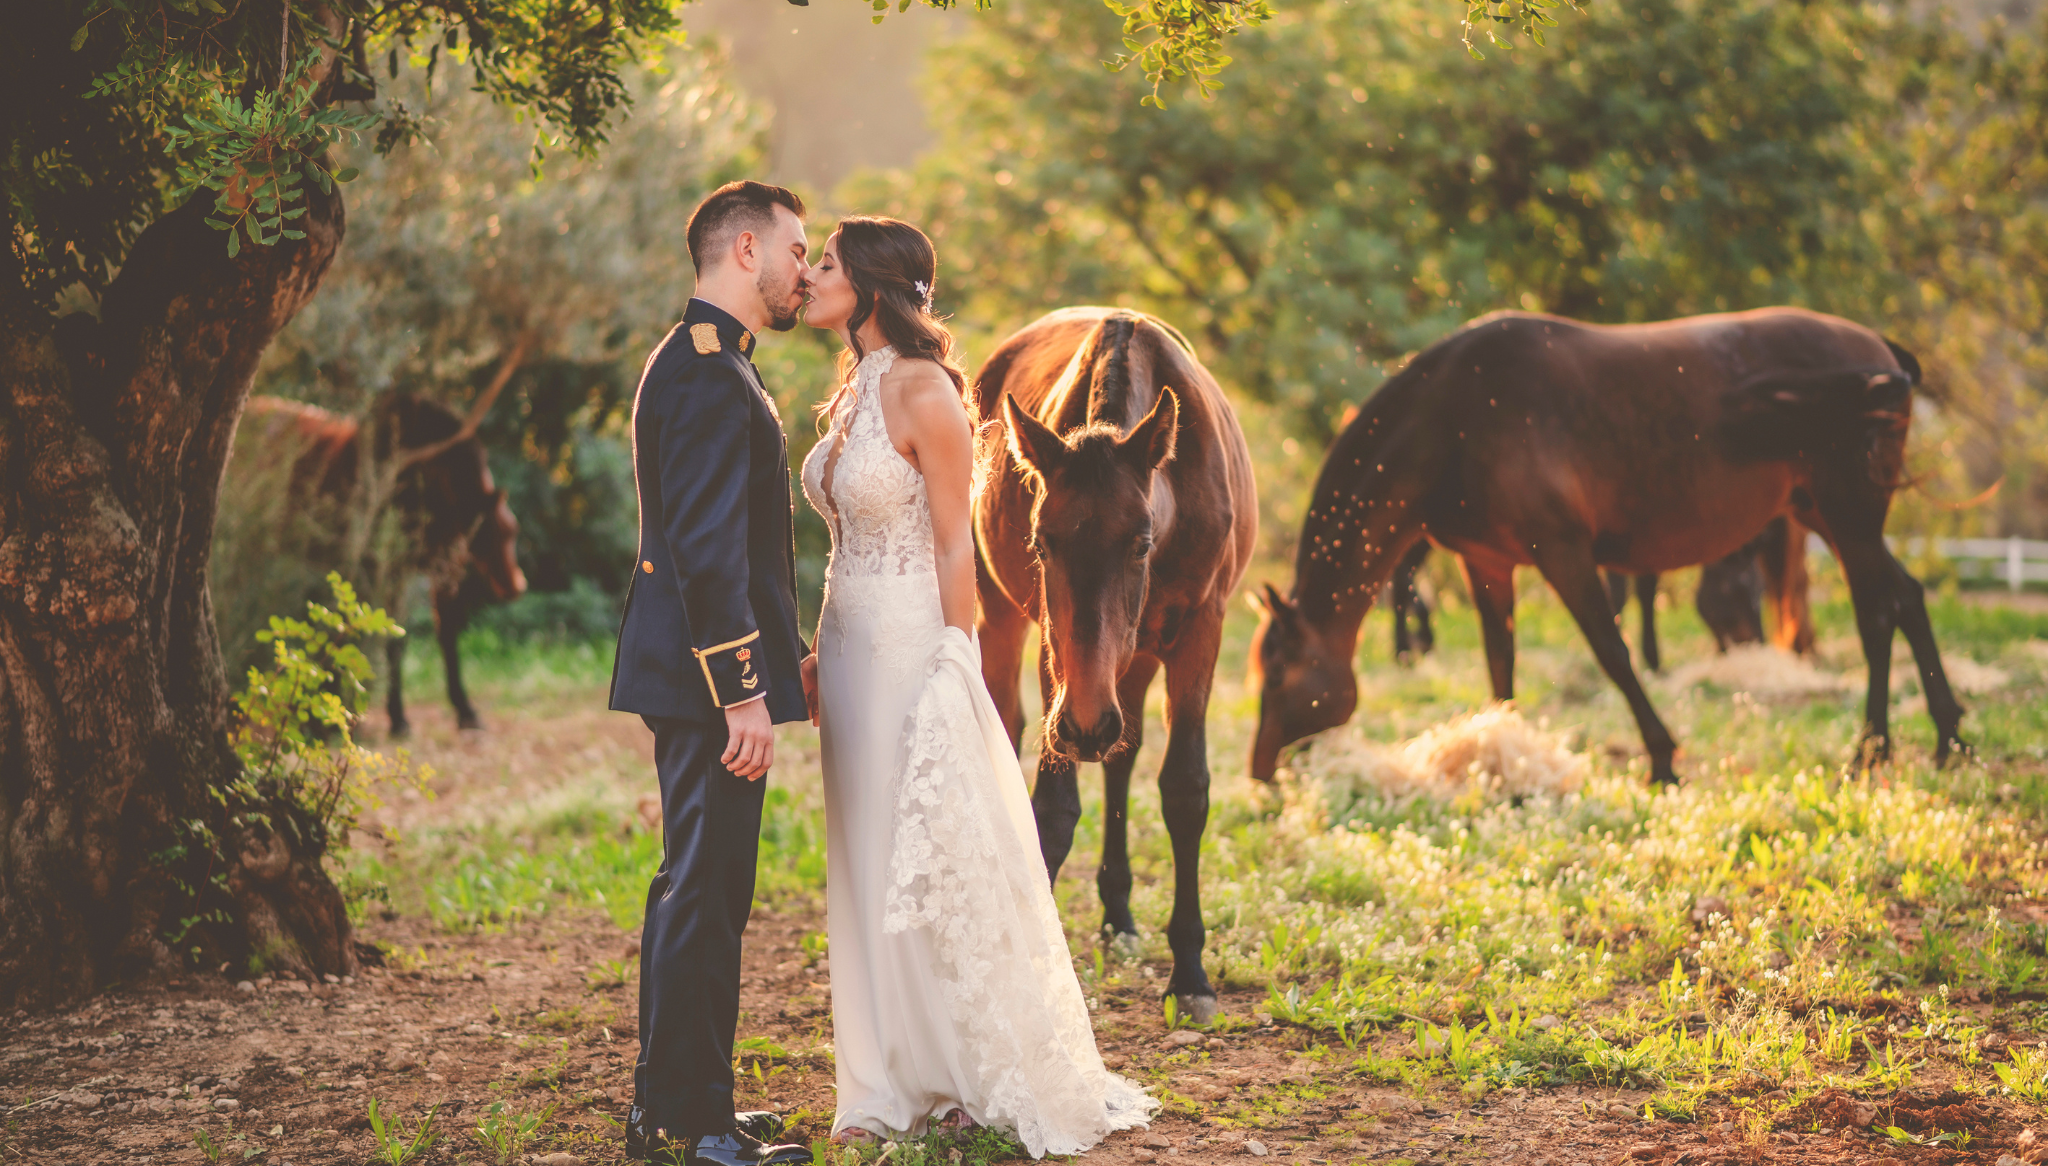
951	980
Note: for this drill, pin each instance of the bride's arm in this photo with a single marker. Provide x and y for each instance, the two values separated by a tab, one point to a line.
942	448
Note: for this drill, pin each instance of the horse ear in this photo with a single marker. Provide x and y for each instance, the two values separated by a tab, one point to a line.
1034	447
1152	440
1269	602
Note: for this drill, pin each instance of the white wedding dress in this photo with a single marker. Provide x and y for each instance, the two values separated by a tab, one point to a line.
951	980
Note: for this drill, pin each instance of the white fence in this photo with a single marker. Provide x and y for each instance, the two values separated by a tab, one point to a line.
2018	561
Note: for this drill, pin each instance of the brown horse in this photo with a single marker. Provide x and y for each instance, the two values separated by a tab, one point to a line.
458	529
1535	440
1120	523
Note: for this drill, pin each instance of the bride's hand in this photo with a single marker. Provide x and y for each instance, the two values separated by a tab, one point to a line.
809	671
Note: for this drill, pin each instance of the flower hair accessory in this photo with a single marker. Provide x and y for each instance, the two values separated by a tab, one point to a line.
924	290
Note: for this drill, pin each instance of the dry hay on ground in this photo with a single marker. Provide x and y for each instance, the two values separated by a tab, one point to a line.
1767	672
1494	752
1760	670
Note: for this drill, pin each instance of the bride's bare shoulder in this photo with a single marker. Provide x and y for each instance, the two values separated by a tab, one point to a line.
920	383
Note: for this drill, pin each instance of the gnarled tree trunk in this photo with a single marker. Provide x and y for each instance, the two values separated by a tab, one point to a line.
118	858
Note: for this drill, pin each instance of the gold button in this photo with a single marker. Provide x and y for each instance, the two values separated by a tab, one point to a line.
647	566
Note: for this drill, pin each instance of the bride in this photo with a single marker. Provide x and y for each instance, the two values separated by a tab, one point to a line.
954	1001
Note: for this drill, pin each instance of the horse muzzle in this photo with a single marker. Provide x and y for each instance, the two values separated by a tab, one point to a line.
1091	743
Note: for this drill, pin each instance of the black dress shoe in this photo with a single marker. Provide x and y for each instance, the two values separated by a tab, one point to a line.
738	1149
636	1134
760	1125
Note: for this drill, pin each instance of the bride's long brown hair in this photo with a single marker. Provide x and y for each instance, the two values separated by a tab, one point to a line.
885	260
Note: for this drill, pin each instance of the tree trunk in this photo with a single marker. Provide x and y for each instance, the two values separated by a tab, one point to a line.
120	857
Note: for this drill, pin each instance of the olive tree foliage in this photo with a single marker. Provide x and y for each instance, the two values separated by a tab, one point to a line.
1184	40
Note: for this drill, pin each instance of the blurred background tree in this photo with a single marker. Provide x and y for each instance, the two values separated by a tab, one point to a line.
470	264
1360	187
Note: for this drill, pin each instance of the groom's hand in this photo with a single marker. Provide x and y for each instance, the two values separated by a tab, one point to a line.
750	739
809	670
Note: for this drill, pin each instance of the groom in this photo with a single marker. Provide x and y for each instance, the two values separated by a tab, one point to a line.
708	656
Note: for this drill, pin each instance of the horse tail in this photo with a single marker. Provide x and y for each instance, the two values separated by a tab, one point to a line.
1777	416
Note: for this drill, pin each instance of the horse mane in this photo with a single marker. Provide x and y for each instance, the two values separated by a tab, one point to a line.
1107	359
1112	407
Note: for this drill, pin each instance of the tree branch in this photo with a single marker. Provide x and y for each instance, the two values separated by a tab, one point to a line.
507	365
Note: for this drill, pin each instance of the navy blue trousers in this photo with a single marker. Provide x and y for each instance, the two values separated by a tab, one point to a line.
697	907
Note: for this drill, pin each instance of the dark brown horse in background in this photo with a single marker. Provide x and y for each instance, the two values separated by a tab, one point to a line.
1535	440
1120	523
457	528
1732	592
1730	598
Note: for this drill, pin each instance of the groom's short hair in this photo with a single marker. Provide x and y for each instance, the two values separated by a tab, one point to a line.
745	205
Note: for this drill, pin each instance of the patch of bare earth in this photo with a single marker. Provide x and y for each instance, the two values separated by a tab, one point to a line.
282	1072
287	1071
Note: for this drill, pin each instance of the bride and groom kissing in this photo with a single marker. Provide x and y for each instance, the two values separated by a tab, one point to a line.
954	1000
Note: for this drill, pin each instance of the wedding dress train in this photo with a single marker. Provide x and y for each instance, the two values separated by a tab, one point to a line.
951	980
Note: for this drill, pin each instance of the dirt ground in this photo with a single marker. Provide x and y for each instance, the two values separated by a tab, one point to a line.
282	1072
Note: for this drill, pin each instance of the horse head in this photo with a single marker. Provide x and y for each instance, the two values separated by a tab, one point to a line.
1094	523
494	548
1303	677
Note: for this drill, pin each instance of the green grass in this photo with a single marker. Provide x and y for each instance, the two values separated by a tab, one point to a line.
1785	918
579	855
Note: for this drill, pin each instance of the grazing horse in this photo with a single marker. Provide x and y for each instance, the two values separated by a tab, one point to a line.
1120	523
457	528
1527	439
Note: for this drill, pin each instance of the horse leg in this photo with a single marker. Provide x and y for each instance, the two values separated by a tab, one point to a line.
1406	600
451	615
1492	585
1425	635
1001	628
1397	608
1617	592
1056	795
1784	563
1571	573
1873	592
1184	803
394	689
1646	600
1113	879
1942	704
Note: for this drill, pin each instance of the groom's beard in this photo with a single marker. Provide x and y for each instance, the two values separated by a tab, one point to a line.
781	299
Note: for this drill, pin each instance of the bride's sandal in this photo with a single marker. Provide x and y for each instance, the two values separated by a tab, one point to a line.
957	1124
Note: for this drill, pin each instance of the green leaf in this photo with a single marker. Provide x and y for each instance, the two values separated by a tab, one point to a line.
78	42
346	174
234	243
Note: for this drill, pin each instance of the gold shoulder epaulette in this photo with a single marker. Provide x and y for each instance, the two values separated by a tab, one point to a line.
705	337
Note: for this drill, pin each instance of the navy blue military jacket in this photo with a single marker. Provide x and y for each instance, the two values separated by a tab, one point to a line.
711	614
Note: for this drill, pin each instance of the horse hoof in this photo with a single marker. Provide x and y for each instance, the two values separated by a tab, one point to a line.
400	730
469	724
1198	1010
